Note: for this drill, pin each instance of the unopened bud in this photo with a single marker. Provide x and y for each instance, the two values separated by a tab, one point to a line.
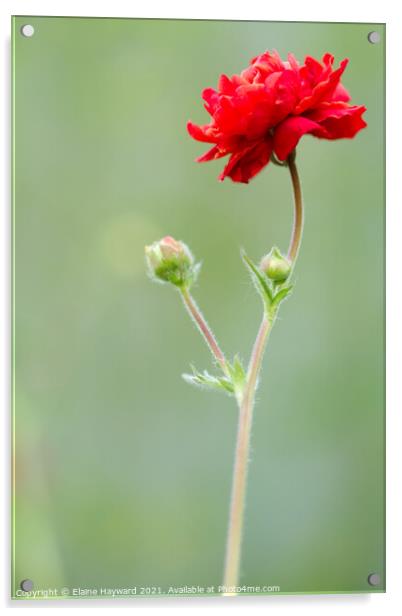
276	266
171	261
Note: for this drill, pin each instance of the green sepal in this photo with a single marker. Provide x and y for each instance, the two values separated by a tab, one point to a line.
237	374
260	281
208	381
193	275
281	295
276	161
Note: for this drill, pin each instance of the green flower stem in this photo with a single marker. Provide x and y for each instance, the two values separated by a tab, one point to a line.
235	531
204	328
233	548
298	213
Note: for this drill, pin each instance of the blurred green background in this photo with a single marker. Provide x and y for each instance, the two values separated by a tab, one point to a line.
123	471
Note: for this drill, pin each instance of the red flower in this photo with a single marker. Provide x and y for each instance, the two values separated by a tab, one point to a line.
269	107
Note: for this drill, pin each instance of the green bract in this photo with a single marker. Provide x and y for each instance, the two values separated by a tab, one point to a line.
232	383
272	292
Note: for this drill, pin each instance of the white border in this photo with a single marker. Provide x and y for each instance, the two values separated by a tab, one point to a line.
291	10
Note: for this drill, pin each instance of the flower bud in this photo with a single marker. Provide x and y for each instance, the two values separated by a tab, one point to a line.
169	260
276	266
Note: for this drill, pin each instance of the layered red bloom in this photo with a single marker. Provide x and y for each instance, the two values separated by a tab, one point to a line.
268	107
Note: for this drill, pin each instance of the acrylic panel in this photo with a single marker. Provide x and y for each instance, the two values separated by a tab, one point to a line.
127	479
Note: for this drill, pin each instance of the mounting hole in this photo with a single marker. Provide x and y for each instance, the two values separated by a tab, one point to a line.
26	585
374	37
27	30
374	579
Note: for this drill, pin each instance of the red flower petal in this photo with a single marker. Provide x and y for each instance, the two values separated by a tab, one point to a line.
285	94
245	164
288	133
212	154
341	94
211	98
293	63
202	133
268	62
324	89
340	120
226	85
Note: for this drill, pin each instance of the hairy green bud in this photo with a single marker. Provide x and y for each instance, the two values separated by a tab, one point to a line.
276	266
169	260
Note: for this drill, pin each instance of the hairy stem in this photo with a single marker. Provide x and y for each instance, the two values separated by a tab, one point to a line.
233	549
298	211
204	328
233	546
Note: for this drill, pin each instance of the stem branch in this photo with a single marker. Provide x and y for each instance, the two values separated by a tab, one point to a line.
204	328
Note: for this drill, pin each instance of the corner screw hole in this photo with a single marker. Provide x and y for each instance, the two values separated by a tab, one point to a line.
374	579
27	30
374	37
27	585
